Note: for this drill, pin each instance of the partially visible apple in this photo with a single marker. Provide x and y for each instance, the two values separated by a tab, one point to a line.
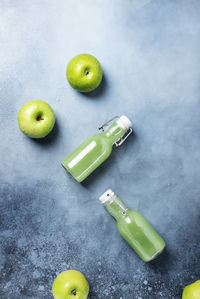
36	119
70	284
192	291
84	72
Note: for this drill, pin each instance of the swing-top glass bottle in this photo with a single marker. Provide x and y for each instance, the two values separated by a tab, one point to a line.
134	228
97	148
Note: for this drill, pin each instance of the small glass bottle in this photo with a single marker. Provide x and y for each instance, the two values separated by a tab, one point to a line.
96	149
134	228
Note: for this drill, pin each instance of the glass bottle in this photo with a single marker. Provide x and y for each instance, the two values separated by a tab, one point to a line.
134	228
96	149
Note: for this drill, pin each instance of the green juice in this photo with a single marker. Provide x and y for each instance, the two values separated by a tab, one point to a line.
95	150
134	228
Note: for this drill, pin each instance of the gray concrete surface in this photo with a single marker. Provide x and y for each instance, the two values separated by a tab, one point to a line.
150	54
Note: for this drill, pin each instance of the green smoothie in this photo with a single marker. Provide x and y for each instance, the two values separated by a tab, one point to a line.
134	228
95	150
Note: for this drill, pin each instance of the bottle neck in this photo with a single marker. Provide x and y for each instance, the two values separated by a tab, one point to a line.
115	207
114	132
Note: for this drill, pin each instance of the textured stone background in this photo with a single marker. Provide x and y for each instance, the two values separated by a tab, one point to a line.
150	53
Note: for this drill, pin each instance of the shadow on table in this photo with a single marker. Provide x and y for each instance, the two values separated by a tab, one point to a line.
49	139
162	262
102	169
99	91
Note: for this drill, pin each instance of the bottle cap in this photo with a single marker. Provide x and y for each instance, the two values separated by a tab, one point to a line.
106	196
124	122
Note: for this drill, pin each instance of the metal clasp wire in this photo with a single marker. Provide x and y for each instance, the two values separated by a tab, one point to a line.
123	138
120	140
107	123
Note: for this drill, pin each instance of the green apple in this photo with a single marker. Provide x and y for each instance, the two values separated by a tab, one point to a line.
70	284
36	119
84	72
192	291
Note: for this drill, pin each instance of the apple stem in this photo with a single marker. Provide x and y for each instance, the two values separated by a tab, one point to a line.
39	118
86	72
74	292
